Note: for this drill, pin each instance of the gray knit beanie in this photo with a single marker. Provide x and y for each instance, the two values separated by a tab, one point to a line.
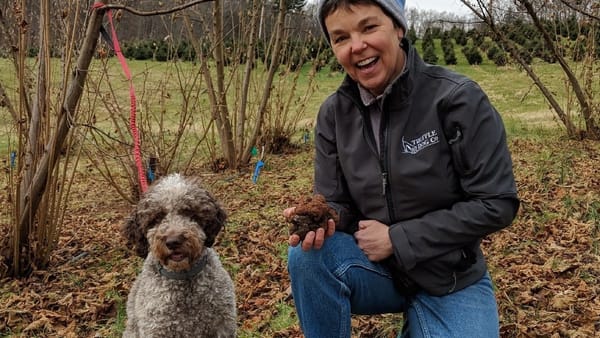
393	8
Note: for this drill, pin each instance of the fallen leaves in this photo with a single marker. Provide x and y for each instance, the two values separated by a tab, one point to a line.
546	266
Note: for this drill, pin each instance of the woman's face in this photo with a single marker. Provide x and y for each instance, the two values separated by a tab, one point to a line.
367	44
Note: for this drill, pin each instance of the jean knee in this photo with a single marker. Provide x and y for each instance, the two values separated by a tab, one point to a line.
295	258
336	250
299	260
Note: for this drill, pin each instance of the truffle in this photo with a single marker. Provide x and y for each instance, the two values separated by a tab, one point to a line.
311	213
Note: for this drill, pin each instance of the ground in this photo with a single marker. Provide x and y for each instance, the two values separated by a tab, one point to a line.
546	266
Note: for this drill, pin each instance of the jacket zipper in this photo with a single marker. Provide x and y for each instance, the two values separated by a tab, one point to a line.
384	183
383	156
381	153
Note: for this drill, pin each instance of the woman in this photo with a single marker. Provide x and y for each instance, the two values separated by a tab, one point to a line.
413	158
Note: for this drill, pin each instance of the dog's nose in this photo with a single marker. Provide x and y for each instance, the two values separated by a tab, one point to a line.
174	242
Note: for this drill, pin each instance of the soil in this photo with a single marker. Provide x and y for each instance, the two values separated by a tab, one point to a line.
311	214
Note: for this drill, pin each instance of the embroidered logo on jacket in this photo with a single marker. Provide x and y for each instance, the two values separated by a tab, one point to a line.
414	146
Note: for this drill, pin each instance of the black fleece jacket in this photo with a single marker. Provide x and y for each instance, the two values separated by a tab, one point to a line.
442	178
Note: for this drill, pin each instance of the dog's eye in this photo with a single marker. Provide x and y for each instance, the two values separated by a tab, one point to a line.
191	214
156	219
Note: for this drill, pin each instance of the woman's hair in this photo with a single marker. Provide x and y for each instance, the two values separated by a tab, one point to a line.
390	7
330	6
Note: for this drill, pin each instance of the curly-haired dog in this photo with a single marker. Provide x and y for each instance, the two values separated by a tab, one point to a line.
182	290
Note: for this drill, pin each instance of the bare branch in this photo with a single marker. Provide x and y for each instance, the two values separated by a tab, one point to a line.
5	102
105	134
584	100
579	10
152	13
458	22
37	187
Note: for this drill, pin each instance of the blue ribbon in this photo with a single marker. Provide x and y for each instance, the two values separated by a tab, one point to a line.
13	159
306	137
259	166
150	175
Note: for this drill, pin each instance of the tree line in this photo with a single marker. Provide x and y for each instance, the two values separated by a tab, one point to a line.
162	38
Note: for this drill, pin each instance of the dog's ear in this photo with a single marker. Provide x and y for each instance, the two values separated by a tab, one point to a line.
134	230
213	226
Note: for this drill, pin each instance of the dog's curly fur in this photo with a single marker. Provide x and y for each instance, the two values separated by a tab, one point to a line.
173	227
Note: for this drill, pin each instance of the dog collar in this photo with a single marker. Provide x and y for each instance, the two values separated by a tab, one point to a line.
184	275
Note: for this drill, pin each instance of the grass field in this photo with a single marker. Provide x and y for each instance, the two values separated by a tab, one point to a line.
546	267
509	88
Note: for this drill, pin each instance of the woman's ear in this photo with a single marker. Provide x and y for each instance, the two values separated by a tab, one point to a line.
400	33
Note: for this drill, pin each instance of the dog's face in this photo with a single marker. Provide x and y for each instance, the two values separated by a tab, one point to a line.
176	242
176	218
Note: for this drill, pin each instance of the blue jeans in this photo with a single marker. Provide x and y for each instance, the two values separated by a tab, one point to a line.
330	284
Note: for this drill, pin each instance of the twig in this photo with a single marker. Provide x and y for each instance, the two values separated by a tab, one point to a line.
5	102
100	131
580	10
527	92
151	13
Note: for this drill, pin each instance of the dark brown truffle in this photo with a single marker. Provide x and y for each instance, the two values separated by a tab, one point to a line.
310	214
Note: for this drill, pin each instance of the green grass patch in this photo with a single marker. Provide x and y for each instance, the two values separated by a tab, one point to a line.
284	318
120	319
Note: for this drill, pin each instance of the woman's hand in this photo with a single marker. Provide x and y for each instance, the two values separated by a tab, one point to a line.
374	240
313	239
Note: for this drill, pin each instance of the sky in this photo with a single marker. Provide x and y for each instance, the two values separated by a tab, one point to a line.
452	6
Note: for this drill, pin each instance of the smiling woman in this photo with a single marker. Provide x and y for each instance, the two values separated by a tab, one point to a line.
413	159
365	41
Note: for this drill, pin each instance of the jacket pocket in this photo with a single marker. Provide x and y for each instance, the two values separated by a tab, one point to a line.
440	275
402	282
455	139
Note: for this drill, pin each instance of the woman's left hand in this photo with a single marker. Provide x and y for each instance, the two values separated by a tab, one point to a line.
374	240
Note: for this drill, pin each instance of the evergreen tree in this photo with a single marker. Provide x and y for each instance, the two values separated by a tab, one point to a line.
473	55
428	45
448	49
459	36
411	35
429	55
497	55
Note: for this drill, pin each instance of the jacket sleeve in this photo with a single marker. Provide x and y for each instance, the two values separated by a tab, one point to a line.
481	158
329	179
